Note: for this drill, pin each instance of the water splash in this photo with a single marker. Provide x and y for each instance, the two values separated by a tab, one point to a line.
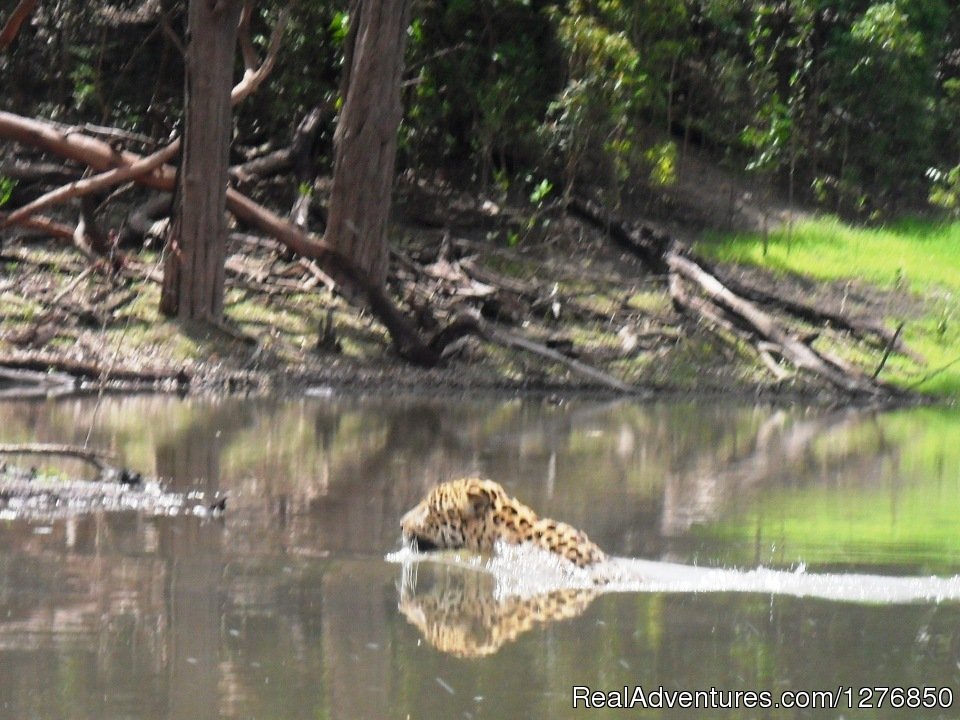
526	571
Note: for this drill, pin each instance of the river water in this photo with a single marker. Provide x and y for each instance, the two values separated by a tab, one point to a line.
287	608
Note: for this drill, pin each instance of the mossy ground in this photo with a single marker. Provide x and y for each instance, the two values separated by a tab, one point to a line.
598	304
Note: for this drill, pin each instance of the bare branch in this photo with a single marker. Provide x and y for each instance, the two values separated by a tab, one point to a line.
44	225
101	156
20	13
243	36
253	78
94	184
172	36
100	460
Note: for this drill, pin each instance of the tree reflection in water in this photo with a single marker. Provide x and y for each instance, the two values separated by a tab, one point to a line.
285	608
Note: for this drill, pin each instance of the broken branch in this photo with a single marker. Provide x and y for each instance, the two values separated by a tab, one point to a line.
103	461
722	306
20	13
254	76
94	184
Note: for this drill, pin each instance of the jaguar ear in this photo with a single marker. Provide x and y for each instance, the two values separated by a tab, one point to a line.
478	500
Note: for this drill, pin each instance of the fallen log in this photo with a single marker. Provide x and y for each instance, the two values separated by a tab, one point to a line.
47	227
509	339
91	370
789	346
720	305
297	155
863	329
24	384
148	220
472	324
37	172
104	462
101	156
28	495
83	188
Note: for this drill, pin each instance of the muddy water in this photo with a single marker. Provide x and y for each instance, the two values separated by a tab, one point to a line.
286	608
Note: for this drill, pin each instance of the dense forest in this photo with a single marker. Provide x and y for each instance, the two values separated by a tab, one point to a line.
848	104
517	122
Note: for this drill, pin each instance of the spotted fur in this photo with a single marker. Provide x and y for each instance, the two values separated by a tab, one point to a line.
473	513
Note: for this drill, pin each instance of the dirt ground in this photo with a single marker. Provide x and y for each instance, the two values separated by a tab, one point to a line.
538	275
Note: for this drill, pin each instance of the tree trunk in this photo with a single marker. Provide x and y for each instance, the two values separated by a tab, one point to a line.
196	249
366	135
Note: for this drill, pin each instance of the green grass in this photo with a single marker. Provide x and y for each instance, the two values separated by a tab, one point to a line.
915	254
911	256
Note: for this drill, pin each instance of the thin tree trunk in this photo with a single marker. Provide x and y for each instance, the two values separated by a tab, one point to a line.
366	135
193	278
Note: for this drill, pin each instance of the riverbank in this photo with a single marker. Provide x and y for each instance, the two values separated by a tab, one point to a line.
538	275
911	268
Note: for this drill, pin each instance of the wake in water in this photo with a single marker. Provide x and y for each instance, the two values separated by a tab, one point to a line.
525	571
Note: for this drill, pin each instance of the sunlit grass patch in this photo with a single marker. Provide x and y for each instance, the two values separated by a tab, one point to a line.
912	256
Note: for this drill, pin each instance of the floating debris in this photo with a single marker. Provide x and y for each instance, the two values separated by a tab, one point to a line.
25	494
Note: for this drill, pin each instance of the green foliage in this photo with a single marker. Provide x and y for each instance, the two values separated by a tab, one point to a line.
84	77
850	103
662	159
6	189
596	115
882	92
339	27
540	192
886	30
307	72
945	189
480	77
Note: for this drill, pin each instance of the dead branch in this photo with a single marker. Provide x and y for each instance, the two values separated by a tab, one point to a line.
71	286
147	219
31	383
26	171
20	13
318	275
886	352
94	184
91	370
472	324
101	156
263	166
150	170
90	238
103	461
792	348
46	226
503	337
243	35
721	306
863	329
79	147
254	76
405	338
116	135
297	154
